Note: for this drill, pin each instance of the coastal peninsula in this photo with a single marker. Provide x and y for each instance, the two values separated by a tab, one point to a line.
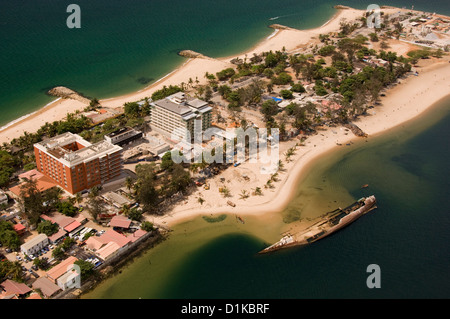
317	86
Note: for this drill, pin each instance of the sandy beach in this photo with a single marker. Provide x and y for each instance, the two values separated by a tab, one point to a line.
291	39
402	103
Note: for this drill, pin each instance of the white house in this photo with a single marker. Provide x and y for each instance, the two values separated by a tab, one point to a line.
34	245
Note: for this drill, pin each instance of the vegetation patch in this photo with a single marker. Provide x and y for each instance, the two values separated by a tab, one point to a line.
217	219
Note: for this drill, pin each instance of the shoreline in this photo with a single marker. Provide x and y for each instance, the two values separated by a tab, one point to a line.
397	108
272	200
308	34
191	68
24	117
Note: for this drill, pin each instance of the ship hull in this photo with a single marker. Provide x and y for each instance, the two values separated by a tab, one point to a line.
365	205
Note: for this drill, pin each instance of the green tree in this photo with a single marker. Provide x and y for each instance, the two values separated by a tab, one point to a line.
269	108
7	164
8	237
132	109
286	94
180	179
31	201
135	214
129	183
86	268
166	161
47	227
11	270
373	37
146	193
326	50
95	207
66	208
147	226
298	87
40	263
282	79
166	91
58	253
225	74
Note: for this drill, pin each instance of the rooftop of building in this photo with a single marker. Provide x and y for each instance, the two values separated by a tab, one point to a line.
120	221
13	287
61	268
183	105
35	240
121	131
56	147
42	183
47	287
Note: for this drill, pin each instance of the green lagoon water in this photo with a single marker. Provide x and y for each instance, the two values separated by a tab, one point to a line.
407	235
125	46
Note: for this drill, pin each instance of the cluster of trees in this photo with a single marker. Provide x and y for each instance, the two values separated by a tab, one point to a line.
249	95
7	164
11	270
8	236
165	91
225	74
134	110
47	227
66	208
151	188
34	203
60	251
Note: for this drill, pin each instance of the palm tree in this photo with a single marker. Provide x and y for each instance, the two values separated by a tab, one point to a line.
94	192
274	177
129	183
194	167
257	191
244	195
125	209
78	198
269	184
280	166
15	271
226	192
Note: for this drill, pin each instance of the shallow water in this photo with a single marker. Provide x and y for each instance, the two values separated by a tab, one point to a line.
407	235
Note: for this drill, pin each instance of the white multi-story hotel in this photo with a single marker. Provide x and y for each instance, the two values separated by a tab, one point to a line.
179	111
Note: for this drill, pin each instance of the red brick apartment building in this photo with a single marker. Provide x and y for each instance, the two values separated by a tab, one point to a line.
75	164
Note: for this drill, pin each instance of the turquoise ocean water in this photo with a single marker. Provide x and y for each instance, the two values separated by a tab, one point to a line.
124	46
